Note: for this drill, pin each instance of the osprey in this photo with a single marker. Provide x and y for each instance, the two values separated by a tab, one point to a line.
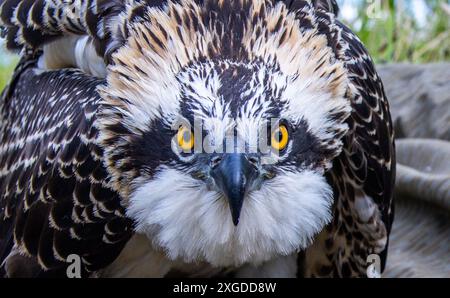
115	140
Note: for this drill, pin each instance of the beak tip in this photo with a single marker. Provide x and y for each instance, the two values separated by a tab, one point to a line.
236	209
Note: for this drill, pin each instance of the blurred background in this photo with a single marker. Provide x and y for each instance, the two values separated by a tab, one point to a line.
7	63
416	31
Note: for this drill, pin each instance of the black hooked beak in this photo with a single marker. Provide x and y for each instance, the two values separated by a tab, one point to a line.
234	174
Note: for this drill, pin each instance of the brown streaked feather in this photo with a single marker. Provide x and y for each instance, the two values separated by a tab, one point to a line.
49	169
34	23
365	169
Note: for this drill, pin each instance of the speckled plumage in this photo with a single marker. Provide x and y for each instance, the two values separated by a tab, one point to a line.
71	155
53	184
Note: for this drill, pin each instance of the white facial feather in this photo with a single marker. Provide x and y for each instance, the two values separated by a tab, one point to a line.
188	222
309	100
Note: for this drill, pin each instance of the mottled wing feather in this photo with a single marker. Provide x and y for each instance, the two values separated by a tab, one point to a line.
32	24
29	23
363	174
55	199
370	146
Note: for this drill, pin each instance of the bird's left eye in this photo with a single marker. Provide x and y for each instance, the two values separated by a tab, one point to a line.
280	138
185	138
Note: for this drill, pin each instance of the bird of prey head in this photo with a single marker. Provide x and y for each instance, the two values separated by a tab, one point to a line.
220	124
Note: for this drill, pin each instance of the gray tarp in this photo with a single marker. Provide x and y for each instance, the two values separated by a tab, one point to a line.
420	104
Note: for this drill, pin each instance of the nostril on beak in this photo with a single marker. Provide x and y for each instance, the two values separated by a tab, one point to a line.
215	161
199	175
269	175
253	160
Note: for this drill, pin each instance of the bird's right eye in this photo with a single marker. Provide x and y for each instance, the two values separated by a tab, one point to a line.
185	138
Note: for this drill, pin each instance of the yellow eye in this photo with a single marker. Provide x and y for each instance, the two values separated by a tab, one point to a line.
280	137
185	138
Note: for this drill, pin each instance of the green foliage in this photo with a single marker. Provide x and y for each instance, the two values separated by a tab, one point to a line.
396	35
5	72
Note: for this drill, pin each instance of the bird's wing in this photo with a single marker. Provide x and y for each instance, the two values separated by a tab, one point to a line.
31	24
55	200
363	174
369	151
